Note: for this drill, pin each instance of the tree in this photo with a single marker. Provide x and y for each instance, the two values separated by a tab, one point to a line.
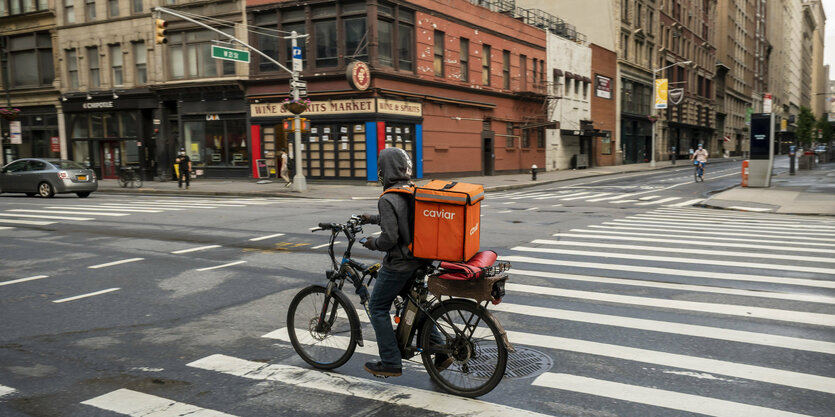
806	131
825	129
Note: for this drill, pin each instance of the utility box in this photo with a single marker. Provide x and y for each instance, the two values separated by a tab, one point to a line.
762	150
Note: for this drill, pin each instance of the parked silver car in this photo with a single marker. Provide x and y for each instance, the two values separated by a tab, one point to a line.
47	177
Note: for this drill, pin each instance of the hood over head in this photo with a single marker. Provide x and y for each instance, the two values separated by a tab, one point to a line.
394	167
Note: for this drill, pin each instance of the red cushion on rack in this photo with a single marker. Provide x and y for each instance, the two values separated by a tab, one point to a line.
472	269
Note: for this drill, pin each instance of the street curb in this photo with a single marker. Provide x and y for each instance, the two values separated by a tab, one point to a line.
199	193
762	212
534	184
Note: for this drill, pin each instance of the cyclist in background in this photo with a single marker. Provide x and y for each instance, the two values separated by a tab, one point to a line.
701	157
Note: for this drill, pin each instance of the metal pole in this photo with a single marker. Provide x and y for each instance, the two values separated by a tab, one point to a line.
654	110
299	181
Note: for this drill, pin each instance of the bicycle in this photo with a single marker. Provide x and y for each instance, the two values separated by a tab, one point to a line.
698	173
128	176
324	328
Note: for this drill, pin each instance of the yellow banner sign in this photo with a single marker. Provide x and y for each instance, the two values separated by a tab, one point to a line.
661	90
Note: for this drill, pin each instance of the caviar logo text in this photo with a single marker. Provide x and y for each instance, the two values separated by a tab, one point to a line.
474	229
443	214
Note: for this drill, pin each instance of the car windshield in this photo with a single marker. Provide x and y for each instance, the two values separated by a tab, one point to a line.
62	164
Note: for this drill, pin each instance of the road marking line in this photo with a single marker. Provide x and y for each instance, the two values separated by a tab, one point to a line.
137	404
686	203
548	196
92	294
505	211
77	212
685	240
139	207
811	298
663	200
747	265
123	261
255	239
351	386
614	197
585	196
178	206
221	266
97	208
41	216
656	397
532	209
699	219
738	215
622	201
529	195
181	251
649	197
556	205
29	222
791	316
509	202
6	227
326	244
758	209
697	232
4	390
731	226
16	281
580	195
689	251
676	272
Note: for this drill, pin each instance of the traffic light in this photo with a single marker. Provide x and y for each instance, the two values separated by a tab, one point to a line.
161	31
289	125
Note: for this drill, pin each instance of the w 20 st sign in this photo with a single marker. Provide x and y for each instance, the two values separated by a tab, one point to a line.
230	54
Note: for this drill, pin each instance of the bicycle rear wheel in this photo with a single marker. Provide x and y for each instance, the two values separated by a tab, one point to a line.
123	182
328	344
470	335
137	182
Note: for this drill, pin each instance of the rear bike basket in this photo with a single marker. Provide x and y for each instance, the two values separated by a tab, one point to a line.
480	289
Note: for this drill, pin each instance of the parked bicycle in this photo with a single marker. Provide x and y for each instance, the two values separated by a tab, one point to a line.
324	327
129	177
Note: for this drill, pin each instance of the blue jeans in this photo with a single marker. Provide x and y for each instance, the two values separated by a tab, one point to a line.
386	288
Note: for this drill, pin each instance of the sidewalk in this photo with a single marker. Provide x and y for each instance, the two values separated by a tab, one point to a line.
322	189
807	192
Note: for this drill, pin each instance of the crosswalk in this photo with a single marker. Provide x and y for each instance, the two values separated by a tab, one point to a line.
674	311
621	197
112	209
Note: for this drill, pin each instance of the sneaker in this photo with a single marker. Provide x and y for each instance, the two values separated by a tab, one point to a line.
443	361
288	184
378	369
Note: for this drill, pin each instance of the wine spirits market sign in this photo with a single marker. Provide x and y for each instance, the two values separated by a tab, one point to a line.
354	106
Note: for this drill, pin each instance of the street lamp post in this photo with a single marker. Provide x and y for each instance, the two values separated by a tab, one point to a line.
655	93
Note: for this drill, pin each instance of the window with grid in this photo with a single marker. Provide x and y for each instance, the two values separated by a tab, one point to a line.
266	39
540	138
137	6
464	59
439	53
93	67
190	55
510	142
13	7
72	69
69	12
324	36
30	60
523	72
90	10
113	8
140	60
293	20
526	138
395	29
116	64
485	64
506	70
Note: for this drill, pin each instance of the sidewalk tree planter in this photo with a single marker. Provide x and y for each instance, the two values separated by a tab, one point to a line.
295	106
9	113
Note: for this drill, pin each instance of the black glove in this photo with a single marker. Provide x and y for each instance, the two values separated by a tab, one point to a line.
367	218
370	243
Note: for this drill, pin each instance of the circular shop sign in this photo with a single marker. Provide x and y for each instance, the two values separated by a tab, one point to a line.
359	75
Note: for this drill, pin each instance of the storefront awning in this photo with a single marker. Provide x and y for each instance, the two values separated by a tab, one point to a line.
557	72
568	75
587	79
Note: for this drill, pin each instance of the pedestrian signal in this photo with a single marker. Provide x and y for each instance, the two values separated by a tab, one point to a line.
161	31
289	124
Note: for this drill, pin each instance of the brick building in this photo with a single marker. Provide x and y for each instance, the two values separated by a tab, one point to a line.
603	105
458	86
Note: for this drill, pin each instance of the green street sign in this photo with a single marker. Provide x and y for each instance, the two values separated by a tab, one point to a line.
230	54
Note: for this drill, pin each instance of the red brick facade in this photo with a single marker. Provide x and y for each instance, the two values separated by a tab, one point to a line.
604	110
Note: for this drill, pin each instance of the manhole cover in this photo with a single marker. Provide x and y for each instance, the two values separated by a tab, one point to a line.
524	363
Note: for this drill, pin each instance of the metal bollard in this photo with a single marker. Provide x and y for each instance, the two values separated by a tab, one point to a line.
533	172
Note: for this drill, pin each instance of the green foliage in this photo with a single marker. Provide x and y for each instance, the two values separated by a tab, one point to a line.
825	128
806	132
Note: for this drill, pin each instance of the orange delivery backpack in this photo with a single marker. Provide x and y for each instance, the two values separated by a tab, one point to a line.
447	217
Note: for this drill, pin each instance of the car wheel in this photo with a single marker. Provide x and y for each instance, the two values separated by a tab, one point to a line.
45	190
84	194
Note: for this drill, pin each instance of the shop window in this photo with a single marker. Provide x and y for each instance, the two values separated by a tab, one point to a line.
485	64
116	64
30	59
94	79
140	59
464	59
72	70
506	70
69	11
266	39
335	150
90	10
439	53
216	143
190	55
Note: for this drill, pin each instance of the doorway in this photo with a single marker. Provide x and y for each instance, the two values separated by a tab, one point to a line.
488	155
111	158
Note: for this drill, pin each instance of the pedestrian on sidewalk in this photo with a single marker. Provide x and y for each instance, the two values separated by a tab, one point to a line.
285	168
184	165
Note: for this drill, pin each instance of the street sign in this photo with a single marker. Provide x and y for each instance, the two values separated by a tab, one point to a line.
15	133
297	58
661	86
230	54
767	103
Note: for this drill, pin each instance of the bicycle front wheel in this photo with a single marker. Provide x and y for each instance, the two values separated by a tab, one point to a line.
470	336
123	182
137	182
321	327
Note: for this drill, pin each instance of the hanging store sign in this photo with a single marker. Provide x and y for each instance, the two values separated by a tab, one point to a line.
602	87
55	144
403	108
661	87
359	75
15	133
676	95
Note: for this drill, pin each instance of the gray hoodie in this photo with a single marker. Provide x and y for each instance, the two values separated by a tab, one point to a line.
395	170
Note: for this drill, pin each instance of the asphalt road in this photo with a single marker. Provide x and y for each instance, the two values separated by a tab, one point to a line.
625	300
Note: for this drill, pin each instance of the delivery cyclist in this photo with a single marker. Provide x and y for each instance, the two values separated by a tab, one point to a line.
399	266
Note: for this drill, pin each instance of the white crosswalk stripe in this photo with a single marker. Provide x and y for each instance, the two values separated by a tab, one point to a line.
137	404
4	391
688	240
